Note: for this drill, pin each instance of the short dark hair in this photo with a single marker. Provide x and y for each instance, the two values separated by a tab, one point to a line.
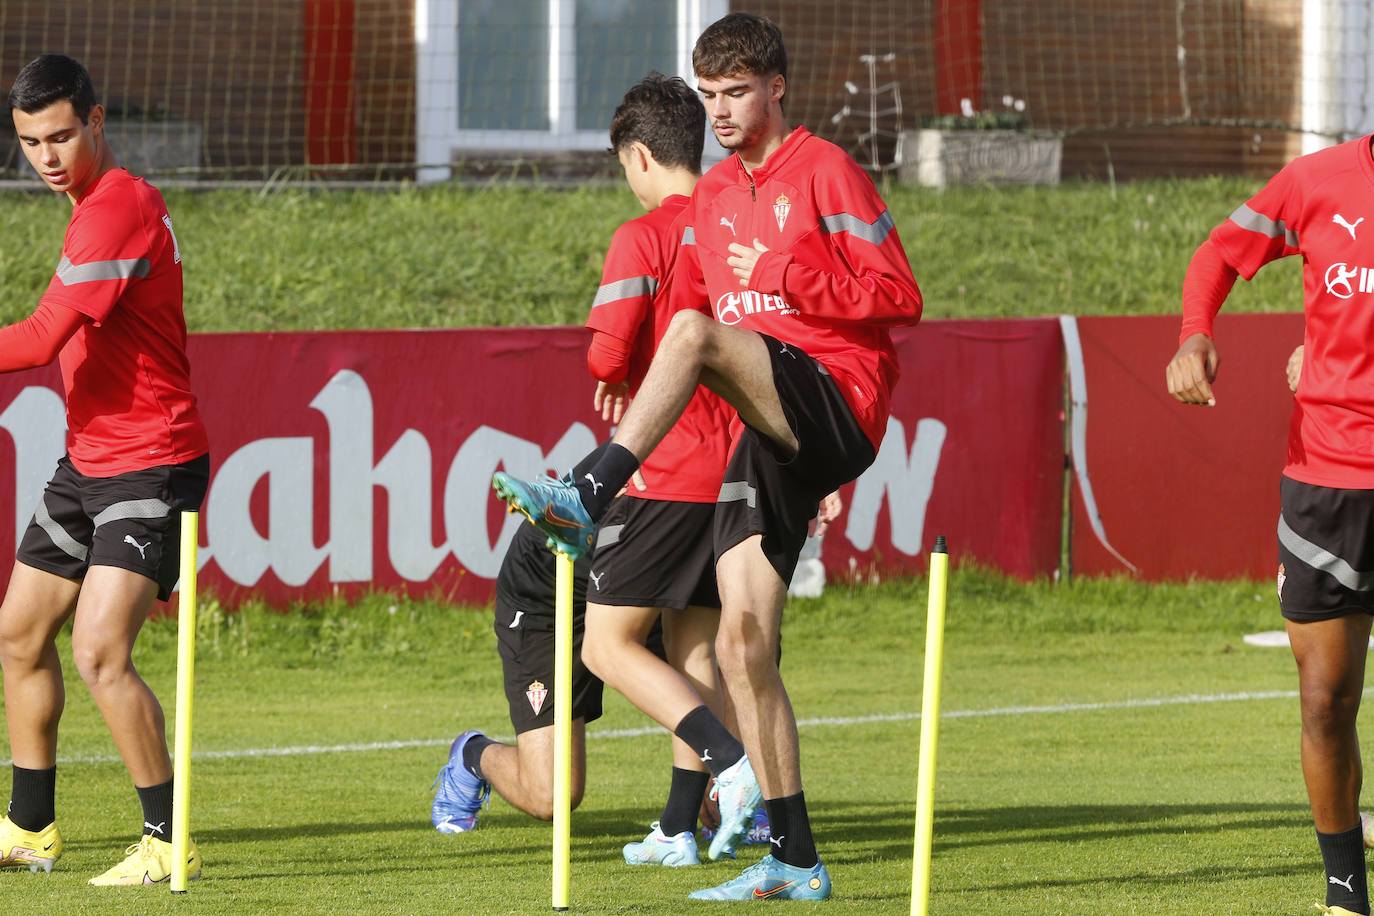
50	79
740	43
664	114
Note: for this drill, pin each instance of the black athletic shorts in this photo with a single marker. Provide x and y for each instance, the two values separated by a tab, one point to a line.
132	521
654	553
1326	551
776	496
525	642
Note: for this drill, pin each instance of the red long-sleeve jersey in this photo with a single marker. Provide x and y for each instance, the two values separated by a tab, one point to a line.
632	305
1319	206
835	276
129	400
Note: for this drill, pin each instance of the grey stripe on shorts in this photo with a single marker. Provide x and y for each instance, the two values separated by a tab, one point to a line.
737	490
608	535
1324	560
64	541
133	508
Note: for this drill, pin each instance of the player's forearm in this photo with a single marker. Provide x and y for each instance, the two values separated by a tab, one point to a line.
608	358
1206	284
36	340
876	295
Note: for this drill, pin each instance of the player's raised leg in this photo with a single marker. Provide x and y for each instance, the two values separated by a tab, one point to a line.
732	362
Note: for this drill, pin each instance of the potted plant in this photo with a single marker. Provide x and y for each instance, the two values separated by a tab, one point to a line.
981	147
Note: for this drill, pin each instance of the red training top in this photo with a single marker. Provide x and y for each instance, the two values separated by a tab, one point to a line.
1317	206
128	382
834	279
631	305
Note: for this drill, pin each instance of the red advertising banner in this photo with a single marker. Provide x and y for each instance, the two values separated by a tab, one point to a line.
350	461
974	451
1183	491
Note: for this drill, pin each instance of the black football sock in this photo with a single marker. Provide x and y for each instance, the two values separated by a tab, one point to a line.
472	754
1343	858
32	794
606	478
157	810
709	737
684	801
790	830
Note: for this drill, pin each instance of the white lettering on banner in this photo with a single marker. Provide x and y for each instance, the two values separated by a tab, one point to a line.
37	422
405	472
289	549
906	482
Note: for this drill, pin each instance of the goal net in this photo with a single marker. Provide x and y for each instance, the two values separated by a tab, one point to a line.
398	89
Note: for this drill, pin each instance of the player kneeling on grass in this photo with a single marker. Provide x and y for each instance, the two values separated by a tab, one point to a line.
523	774
104	541
524	624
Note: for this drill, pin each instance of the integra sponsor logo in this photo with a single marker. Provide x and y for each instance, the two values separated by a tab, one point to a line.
732	307
1343	281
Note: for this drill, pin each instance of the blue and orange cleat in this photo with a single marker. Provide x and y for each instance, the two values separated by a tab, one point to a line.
772	880
553	506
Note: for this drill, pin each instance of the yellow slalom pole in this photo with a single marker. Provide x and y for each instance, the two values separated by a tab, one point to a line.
562	730
930	725
186	680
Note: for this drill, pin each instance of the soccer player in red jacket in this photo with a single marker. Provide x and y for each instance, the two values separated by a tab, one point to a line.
104	541
1318	206
790	244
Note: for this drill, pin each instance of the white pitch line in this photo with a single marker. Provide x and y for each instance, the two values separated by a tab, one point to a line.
1149	702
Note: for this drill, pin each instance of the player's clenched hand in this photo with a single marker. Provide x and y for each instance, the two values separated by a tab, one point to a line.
1190	373
612	400
743	258
1294	368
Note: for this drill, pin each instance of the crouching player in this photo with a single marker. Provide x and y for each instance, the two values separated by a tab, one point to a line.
104	541
524	622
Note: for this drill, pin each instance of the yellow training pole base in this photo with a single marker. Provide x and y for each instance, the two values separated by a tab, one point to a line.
930	723
186	679
562	729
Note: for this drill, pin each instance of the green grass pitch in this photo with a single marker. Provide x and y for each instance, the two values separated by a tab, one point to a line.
1105	747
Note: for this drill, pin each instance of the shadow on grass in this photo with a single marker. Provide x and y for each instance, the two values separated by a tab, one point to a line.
884	830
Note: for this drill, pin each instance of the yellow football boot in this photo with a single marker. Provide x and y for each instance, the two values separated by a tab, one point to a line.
149	861
19	847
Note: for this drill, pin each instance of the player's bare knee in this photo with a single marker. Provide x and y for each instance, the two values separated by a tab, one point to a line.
689	336
19	649
596	656
1326	710
97	665
743	661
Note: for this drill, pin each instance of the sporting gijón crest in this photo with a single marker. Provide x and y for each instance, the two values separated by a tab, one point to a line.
781	207
536	693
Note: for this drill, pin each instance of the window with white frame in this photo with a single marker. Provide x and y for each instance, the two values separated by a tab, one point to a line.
539	74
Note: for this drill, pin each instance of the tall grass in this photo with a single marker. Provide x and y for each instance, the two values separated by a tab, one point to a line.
510	256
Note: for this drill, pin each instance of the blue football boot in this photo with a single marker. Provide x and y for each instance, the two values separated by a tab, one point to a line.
738	795
553	506
772	880
460	794
660	849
